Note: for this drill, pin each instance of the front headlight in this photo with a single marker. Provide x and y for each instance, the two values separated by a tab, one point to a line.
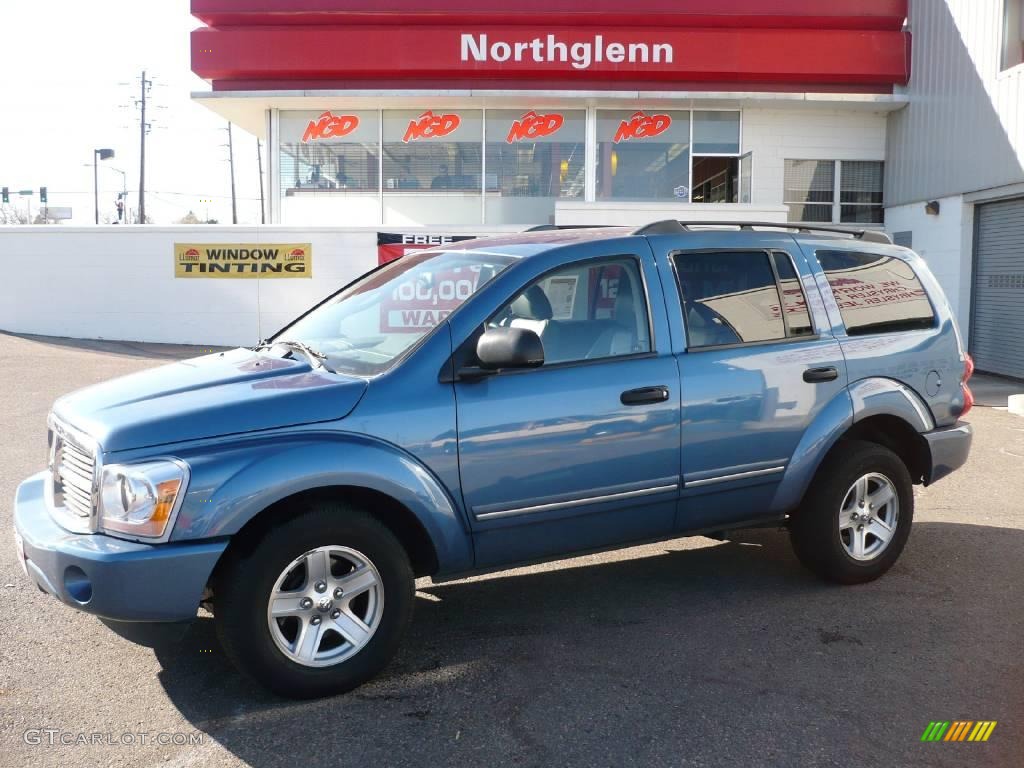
141	499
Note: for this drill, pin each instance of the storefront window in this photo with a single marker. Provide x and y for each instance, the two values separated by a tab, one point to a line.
716	133
643	155
716	179
432	168
329	165
424	167
860	192
809	189
533	158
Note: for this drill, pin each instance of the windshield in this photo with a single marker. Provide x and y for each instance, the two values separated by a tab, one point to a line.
368	326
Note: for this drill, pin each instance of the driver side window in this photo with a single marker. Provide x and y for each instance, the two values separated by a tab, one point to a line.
586	311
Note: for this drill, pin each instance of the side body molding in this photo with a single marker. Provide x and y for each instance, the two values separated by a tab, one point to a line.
234	482
861	400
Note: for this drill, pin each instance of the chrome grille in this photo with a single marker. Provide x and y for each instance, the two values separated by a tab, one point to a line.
73	470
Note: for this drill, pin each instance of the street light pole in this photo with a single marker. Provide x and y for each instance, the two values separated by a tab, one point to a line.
124	184
98	154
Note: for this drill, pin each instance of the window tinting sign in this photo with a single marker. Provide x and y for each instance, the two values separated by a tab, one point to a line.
534	126
243	260
640	125
431	126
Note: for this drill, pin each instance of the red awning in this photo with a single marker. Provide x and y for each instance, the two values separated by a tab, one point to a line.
840	45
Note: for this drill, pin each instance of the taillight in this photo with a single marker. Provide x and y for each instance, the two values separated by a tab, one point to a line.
968	395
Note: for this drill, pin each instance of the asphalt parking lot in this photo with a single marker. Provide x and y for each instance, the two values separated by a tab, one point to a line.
692	652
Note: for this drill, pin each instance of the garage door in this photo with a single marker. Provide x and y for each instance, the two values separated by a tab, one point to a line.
997	326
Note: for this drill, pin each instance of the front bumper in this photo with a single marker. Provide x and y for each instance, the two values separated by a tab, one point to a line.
112	578
949	449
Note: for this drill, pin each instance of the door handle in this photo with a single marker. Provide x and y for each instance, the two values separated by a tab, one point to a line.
644	395
815	375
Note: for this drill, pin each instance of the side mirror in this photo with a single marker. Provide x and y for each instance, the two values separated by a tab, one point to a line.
509	348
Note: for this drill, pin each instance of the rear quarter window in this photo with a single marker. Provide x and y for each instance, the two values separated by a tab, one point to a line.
876	293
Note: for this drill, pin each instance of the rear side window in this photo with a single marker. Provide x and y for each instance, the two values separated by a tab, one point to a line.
876	293
733	297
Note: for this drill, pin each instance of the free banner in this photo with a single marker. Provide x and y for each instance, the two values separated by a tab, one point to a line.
243	260
392	245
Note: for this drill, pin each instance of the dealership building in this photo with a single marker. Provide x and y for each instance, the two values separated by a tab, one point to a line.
409	114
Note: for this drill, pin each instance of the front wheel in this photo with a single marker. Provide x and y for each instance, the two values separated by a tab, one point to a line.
318	604
855	519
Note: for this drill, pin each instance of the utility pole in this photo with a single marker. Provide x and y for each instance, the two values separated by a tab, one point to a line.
231	163
259	162
143	130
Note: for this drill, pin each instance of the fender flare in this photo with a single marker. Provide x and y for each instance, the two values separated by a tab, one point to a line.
860	400
231	484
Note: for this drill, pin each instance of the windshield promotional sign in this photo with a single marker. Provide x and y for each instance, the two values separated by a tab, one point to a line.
392	245
418	305
243	260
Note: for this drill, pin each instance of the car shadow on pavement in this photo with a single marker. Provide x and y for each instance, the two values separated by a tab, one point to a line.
722	654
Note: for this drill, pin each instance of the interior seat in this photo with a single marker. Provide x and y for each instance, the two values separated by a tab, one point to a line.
532	310
619	337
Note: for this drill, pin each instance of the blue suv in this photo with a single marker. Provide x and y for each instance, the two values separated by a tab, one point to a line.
496	402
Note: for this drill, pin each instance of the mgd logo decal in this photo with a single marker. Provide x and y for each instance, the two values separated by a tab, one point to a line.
533	126
642	126
431	126
330	126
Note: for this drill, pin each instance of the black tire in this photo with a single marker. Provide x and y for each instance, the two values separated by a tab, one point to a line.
244	584
814	528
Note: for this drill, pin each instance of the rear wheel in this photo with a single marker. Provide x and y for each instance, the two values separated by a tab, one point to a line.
855	519
318	604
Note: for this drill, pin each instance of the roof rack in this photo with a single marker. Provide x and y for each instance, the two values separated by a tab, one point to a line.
675	227
558	227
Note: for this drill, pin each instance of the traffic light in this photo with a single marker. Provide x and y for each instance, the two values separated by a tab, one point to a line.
42	195
5	195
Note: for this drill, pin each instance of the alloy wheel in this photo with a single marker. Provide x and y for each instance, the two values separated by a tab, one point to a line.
325	606
869	516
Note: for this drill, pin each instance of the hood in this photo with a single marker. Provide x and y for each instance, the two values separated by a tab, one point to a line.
219	394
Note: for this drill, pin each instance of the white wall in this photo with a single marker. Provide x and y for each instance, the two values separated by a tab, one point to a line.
964	127
945	242
117	282
777	135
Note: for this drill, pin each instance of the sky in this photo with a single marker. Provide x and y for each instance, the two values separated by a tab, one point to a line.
68	81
